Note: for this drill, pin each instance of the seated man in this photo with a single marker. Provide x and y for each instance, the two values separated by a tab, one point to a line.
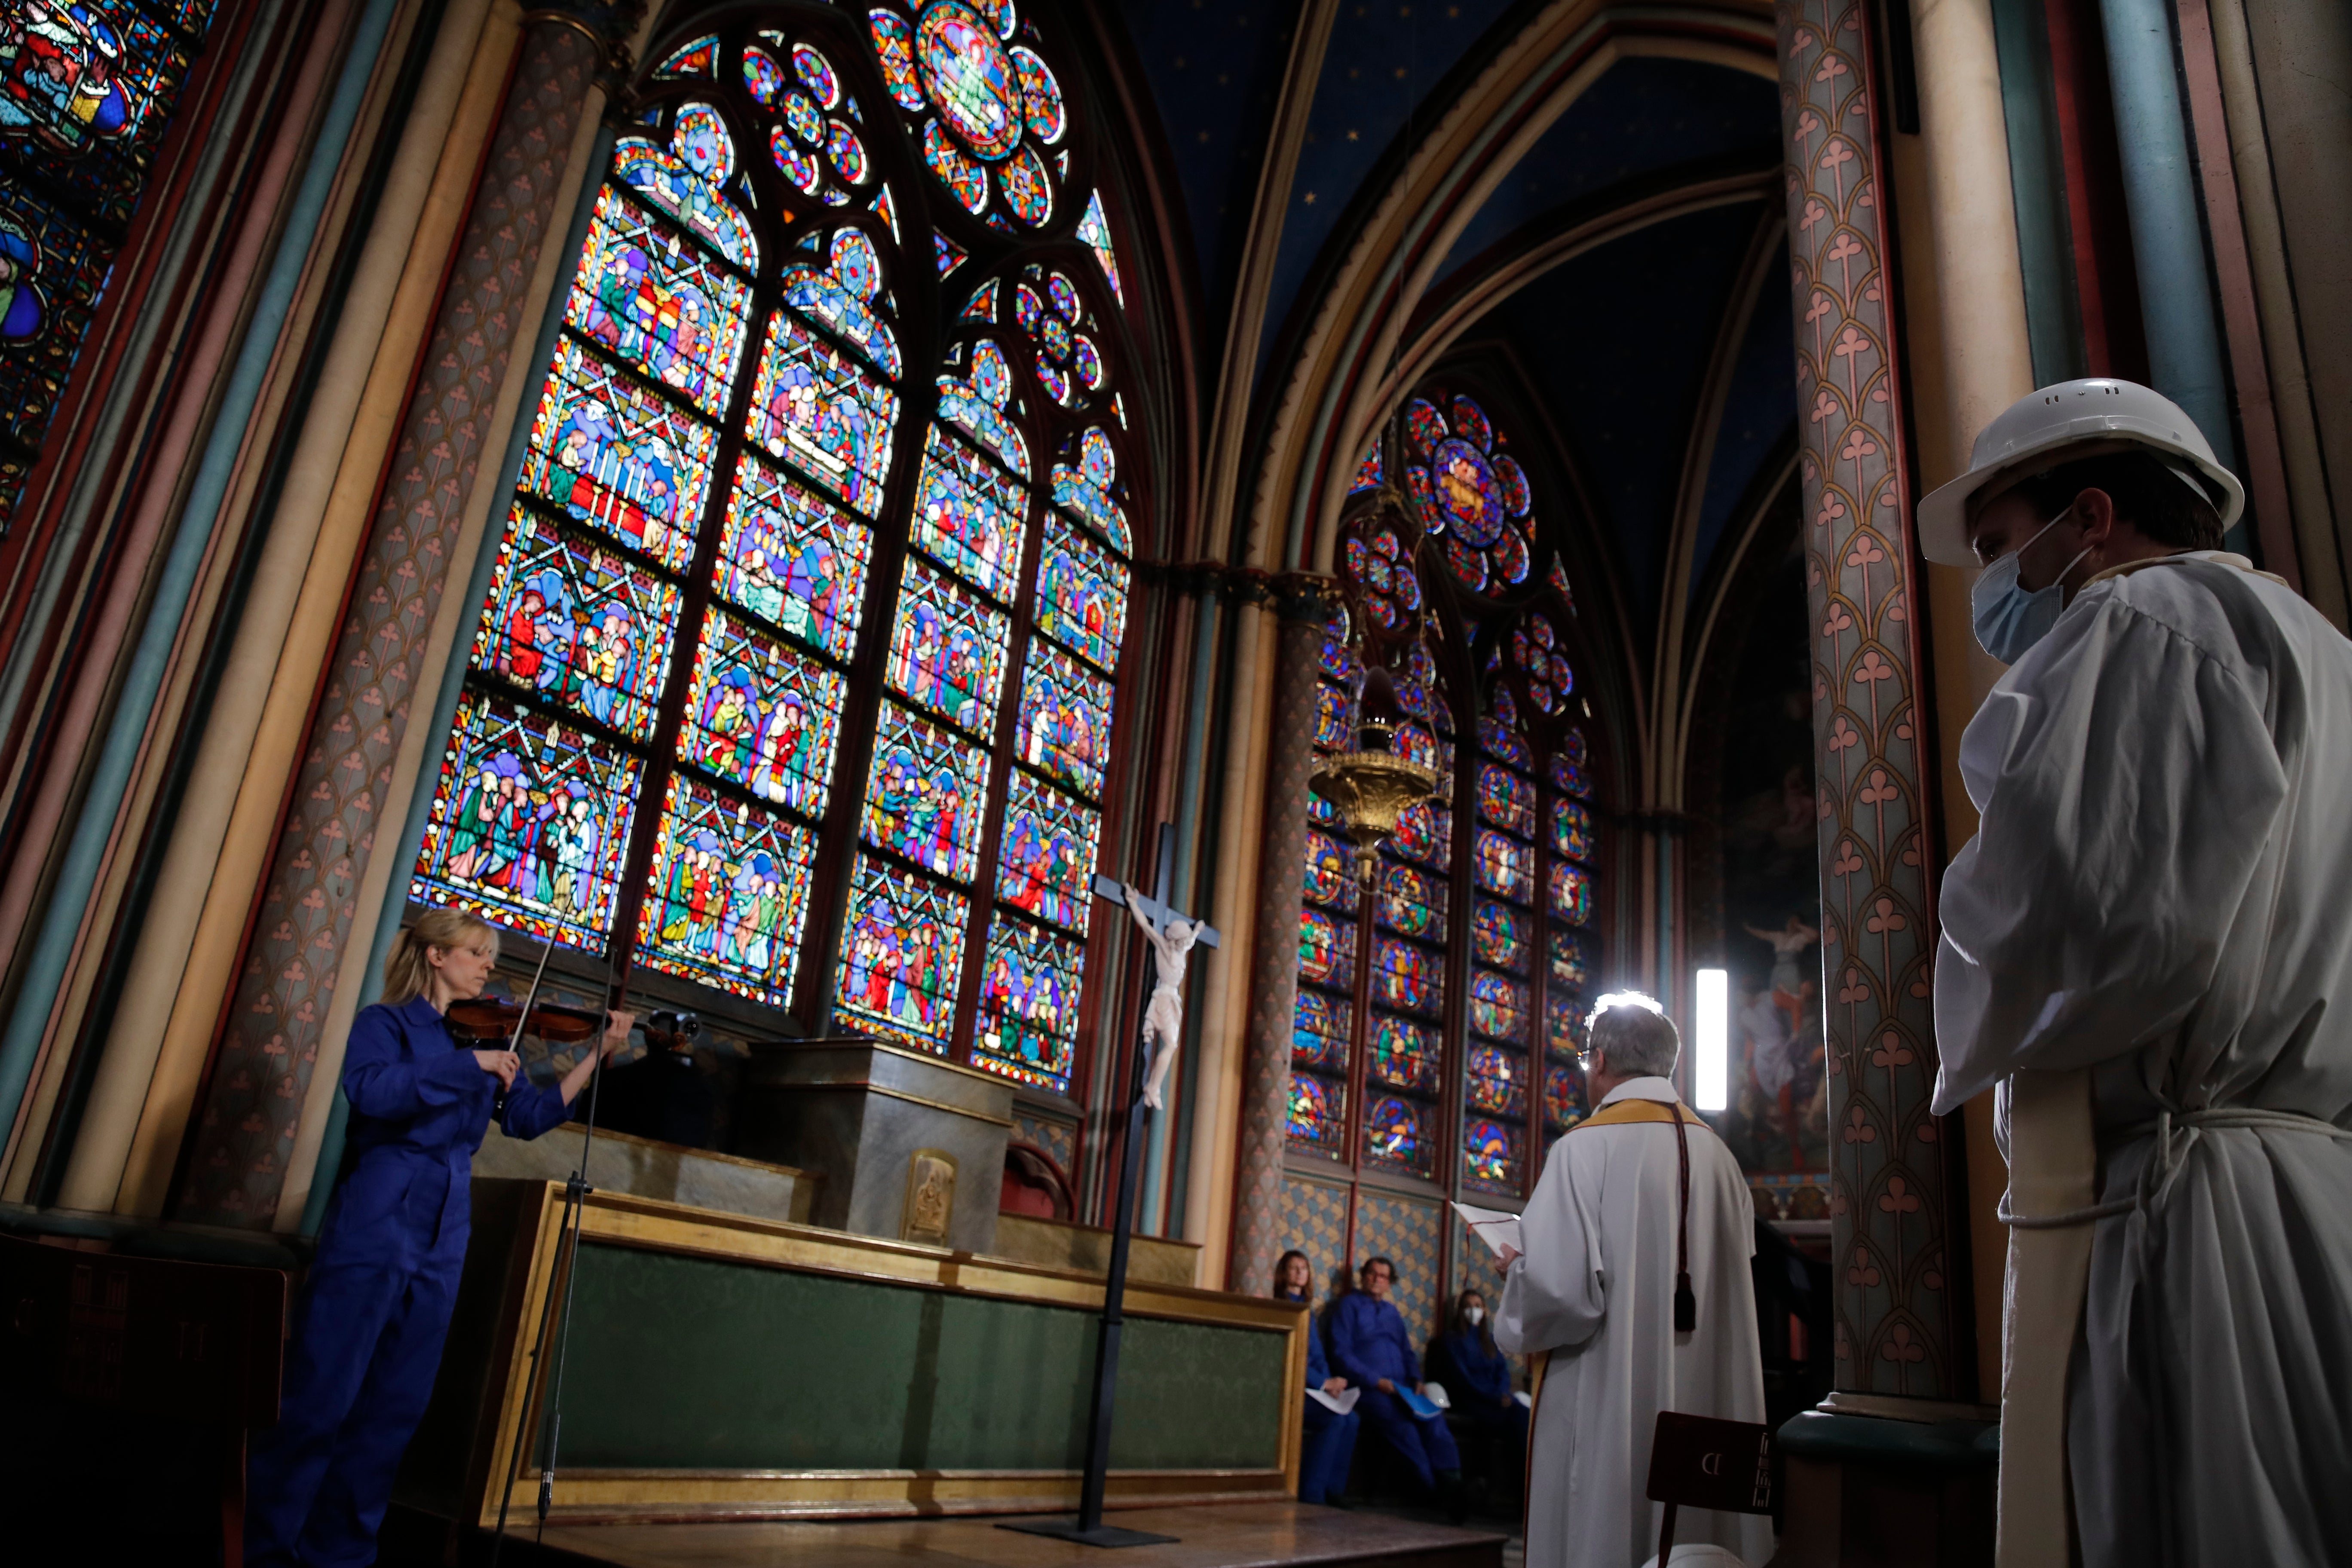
1371	1348
662	1094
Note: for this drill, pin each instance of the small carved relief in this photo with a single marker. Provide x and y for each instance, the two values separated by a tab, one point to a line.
931	1197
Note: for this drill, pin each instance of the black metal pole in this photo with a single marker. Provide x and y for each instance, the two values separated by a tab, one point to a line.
1090	1495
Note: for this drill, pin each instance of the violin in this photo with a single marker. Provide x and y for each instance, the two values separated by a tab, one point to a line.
491	1021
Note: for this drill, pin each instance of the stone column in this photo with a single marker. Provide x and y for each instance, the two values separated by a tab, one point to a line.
1302	605
261	1068
1903	1320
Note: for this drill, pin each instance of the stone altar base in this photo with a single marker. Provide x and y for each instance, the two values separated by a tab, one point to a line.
623	1162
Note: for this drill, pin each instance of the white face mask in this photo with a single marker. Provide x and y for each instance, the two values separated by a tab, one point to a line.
1476	1315
2011	619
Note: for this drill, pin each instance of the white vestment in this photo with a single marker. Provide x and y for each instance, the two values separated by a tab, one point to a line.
2159	893
1596	1287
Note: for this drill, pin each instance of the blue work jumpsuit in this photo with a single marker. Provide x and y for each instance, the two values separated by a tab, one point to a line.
1330	1436
1368	1343
375	1309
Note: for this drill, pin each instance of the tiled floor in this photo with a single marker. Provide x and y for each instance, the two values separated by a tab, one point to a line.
1235	1536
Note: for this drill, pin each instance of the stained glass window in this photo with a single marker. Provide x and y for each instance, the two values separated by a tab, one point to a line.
1318	1119
1396	1134
1491	1152
1472	497
1405	1055
1320	1030
719	466
86	91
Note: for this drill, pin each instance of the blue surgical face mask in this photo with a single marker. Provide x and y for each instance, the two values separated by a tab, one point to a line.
2011	619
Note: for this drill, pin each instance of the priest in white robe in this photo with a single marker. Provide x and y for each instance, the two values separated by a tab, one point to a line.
2147	946
1593	1297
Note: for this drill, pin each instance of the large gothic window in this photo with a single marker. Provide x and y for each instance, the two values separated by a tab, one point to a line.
1393	1069
86	90
809	603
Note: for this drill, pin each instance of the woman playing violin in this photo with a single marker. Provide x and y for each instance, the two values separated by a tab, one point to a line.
375	1309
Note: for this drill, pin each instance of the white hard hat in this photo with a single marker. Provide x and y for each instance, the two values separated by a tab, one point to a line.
2030	435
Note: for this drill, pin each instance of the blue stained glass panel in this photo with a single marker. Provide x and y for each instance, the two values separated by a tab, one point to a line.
1568	958
840	298
1405	1055
574	619
1568	772
658	303
1081	596
1319	1026
1330	872
621	458
1503	865
762	716
947	652
1066	710
1499	935
927	794
53	267
1563	1096
1319	1114
725	894
1498	1006
1491	1152
1327	950
1046	861
968	516
1412	902
1499	1080
1507	800
1367	472
1396	1133
793	559
1029	988
1334	713
530	822
1564	1024
817	408
901	955
1500	740
86	91
1572	829
1096	232
976	406
1408	978
1417	744
1336	659
1572	893
1085	491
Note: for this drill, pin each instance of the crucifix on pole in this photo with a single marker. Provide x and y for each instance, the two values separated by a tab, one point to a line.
1170	936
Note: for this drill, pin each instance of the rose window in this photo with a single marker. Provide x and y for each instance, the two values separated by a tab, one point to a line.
1473	498
990	112
1383	572
810	134
1050	311
1535	647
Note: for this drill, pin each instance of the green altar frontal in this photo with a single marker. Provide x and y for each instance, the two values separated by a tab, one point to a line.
723	1367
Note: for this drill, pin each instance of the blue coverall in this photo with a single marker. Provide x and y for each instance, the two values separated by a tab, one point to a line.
1479	1380
1330	1437
375	1309
1368	1343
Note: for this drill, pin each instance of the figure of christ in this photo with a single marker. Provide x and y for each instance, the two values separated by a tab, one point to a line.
522	655
1786	944
1163	1015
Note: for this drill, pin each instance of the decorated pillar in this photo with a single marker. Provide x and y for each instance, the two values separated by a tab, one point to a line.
1902	1312
1302	609
261	1069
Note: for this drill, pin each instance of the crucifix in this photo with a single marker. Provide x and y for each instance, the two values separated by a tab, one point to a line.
1170	936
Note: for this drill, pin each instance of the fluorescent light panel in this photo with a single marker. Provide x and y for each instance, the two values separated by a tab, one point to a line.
1713	996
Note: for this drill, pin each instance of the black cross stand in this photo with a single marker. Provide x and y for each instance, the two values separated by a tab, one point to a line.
1087	1528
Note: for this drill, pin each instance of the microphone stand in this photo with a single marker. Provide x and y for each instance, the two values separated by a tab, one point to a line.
567	1250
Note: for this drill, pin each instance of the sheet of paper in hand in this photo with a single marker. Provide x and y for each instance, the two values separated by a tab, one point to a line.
1493	1226
1338	1404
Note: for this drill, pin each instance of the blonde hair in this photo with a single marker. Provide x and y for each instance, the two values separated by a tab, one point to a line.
405	967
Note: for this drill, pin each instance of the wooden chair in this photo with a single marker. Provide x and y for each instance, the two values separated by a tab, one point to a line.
1697	1461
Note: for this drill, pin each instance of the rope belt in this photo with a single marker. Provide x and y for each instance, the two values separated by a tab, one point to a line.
2158	1177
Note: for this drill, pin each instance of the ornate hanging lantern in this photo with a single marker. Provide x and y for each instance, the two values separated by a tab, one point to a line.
1371	786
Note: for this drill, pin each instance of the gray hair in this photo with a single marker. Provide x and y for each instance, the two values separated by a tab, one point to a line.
1635	1035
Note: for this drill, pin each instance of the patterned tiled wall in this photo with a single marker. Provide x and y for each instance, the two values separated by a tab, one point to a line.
1901	1329
1407	1231
1476	1267
1315	1222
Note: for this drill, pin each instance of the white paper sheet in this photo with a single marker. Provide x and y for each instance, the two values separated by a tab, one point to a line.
1493	1226
1338	1404
1526	1399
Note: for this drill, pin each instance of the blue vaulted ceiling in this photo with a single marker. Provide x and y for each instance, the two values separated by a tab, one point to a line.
1615	342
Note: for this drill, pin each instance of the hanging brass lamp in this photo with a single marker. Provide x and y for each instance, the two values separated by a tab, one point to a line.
1371	786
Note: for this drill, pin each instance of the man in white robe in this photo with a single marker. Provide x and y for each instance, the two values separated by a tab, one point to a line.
1593	1297
2150	933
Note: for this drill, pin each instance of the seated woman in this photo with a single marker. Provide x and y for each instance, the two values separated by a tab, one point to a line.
1330	1437
1477	1378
